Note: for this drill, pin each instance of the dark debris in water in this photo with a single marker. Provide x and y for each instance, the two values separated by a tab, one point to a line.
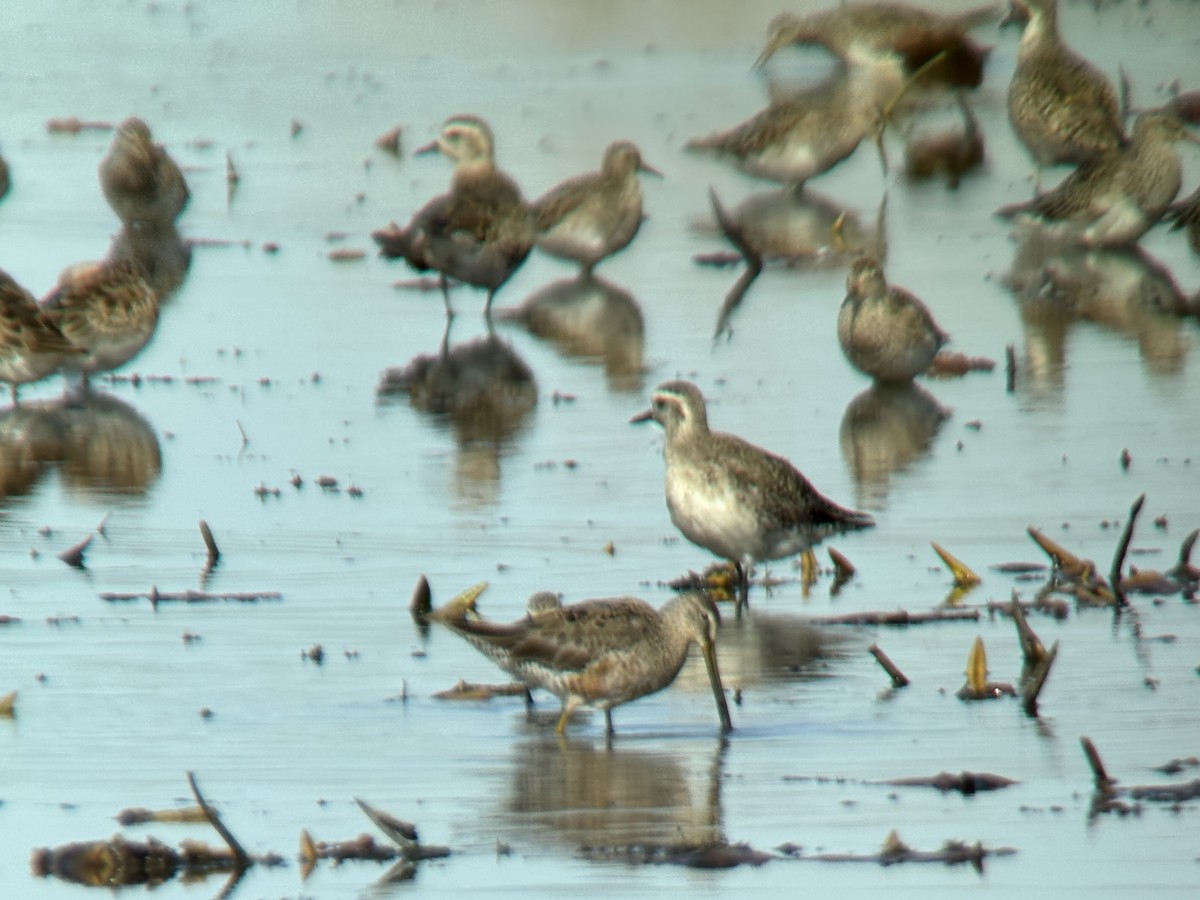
718	855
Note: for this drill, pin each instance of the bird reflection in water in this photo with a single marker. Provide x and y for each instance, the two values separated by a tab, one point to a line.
886	429
1125	290
482	390
100	443
794	228
589	318
574	794
163	256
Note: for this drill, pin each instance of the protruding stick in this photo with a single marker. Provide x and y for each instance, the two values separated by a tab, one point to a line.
899	679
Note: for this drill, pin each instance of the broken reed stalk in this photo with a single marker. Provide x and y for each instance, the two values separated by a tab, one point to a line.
241	860
900	617
1099	774
1114	576
899	679
1037	679
214	555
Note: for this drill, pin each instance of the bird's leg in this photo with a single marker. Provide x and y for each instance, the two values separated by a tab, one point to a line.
568	707
808	569
15	402
528	701
743	577
608	726
445	283
487	304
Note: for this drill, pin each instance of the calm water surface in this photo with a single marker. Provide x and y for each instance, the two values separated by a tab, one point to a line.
289	347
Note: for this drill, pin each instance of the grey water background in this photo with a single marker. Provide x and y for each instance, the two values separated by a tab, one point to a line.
290	347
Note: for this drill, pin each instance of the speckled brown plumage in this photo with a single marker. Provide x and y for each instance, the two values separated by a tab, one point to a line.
590	217
31	345
106	309
140	181
804	134
913	33
885	331
1115	199
599	653
733	498
1061	106
481	230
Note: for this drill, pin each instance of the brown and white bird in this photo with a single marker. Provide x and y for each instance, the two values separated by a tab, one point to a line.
919	37
106	309
806	133
479	232
590	217
885	331
141	182
600	653
1062	107
31	345
1115	199
733	498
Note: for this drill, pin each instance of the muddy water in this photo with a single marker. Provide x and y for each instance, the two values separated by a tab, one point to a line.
285	351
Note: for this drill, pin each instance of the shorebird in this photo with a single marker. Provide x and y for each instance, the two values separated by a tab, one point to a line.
1114	200
736	499
885	332
919	37
1061	106
31	345
599	653
481	231
590	217
140	181
806	133
106	309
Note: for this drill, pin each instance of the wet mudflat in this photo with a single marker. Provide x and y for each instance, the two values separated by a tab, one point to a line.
266	366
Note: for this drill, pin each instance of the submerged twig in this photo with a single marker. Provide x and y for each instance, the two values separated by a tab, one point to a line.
73	556
214	555
156	596
899	679
1114	577
899	617
241	860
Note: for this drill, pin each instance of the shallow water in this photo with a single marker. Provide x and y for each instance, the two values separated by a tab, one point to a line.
289	348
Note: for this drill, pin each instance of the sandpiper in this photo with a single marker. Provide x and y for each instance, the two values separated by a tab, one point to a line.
106	309
733	498
140	181
885	332
919	37
806	133
1061	106
599	653
1114	200
481	231
591	217
31	346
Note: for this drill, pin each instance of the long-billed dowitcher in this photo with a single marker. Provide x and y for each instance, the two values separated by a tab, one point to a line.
590	217
733	498
106	309
1061	106
918	36
885	332
31	346
806	133
140	181
480	231
599	653
1114	200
